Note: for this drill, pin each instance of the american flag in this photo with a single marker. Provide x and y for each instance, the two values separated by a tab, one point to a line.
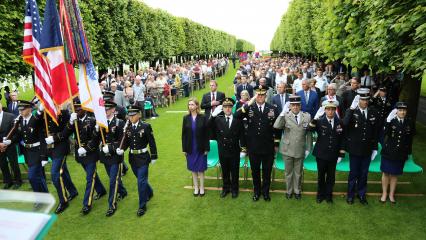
32	56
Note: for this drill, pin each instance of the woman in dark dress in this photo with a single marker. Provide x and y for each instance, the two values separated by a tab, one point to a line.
195	144
398	138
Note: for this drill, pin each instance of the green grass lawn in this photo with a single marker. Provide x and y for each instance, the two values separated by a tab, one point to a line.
174	213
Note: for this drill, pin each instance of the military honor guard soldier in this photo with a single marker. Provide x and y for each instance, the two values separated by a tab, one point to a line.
137	137
86	152
112	161
29	132
58	147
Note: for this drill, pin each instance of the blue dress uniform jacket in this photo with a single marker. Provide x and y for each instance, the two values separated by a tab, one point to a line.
61	146
231	140
361	133
29	135
113	139
138	139
398	140
261	134
89	139
330	140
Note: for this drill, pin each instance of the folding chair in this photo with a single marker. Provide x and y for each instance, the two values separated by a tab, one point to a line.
213	158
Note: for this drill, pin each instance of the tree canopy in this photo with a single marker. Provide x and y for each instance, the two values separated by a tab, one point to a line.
119	31
378	33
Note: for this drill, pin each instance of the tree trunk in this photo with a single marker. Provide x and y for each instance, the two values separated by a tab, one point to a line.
410	94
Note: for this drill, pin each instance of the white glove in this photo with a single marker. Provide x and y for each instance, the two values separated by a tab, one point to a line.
49	140
119	151
339	159
153	161
391	115
97	128
43	163
373	155
355	102
243	154
306	153
217	110
319	113
73	117
286	108
81	151
105	149
41	107
7	141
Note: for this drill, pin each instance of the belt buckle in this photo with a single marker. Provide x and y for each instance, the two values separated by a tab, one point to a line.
50	146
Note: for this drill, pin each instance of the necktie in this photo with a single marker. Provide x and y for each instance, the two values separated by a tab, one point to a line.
227	121
307	96
295	116
213	99
108	122
260	109
331	123
244	87
363	114
282	100
25	123
134	127
400	122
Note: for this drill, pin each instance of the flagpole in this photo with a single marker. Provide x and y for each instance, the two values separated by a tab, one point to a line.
102	135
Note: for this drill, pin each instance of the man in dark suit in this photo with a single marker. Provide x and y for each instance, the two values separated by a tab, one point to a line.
309	99
211	99
8	153
349	95
229	133
244	86
13	105
360	124
262	139
329	148
281	98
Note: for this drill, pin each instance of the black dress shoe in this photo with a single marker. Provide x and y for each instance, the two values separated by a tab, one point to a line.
197	194
7	185
121	196
298	196
202	194
255	197
266	197
382	202
234	194
141	211
363	200
350	200
17	186
99	195
329	200
61	207
224	193
110	212
288	195
85	210
319	199
71	197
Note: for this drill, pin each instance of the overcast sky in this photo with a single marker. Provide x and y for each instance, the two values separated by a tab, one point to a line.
252	20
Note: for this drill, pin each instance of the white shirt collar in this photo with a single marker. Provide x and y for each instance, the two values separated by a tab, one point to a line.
262	105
